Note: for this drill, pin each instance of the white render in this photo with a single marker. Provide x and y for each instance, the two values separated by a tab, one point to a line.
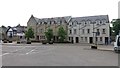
102	22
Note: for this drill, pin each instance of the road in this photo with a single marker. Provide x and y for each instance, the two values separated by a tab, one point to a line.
56	55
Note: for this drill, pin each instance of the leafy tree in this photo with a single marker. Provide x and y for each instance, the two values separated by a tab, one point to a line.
29	34
49	34
116	26
61	34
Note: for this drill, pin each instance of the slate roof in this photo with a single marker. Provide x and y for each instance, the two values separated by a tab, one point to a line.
91	18
56	19
72	19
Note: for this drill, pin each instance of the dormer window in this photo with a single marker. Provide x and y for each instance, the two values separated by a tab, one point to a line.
75	23
50	22
97	22
54	22
103	22
88	22
40	22
60	21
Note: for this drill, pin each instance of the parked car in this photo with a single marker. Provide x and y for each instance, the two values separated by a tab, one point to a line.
117	44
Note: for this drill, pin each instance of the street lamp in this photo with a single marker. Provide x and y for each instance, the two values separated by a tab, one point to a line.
96	34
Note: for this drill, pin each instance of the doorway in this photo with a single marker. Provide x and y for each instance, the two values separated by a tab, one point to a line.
90	40
106	40
77	40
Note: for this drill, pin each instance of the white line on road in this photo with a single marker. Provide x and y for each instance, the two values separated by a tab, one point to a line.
30	51
4	54
13	51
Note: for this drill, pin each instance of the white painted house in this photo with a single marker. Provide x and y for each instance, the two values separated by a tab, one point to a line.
89	29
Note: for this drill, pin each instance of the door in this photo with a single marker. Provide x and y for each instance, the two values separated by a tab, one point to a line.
77	40
106	40
90	40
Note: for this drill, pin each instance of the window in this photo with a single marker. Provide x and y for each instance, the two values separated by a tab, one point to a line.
75	31
88	31
86	39
103	21
100	38
97	30
70	31
41	30
42	37
103	31
69	38
40	22
83	31
88	22
54	22
81	38
72	23
96	38
83	23
60	21
50	22
97	22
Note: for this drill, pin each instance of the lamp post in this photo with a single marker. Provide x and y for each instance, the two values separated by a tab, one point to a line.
94	46
79	30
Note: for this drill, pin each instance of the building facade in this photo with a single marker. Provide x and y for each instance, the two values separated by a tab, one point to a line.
41	25
16	33
3	30
89	29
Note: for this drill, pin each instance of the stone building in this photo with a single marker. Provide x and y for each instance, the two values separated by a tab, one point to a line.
40	25
89	29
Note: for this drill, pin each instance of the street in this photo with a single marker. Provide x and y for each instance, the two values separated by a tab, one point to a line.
37	54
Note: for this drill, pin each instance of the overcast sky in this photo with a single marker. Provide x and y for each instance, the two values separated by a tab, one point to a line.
13	12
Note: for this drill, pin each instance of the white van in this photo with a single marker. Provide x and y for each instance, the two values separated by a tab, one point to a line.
117	44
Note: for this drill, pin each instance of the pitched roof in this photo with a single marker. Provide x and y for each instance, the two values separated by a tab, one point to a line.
69	18
56	19
91	18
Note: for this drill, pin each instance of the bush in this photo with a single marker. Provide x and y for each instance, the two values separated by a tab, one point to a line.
28	42
51	42
44	42
10	41
18	42
5	41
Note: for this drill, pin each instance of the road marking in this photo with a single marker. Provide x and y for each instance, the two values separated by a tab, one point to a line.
30	51
4	54
13	51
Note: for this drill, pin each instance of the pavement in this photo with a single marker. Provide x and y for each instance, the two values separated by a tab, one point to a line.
109	47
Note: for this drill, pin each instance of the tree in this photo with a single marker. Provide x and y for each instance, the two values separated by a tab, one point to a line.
116	26
29	34
61	34
49	34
